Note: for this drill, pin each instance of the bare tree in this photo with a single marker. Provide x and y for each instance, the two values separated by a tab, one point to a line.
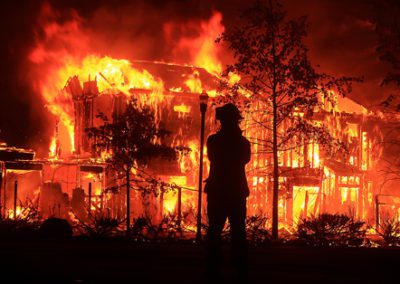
387	27
271	59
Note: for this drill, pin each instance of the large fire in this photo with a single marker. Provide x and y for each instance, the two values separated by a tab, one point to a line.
111	75
75	78
81	83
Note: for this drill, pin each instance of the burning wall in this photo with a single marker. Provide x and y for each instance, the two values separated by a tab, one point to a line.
312	181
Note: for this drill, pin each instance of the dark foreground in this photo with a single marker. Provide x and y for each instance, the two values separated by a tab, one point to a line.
84	261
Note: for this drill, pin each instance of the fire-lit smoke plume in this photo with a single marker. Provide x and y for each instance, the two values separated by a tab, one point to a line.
341	40
198	42
68	45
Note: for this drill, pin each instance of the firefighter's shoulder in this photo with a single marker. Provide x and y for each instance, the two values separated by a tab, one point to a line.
212	138
245	140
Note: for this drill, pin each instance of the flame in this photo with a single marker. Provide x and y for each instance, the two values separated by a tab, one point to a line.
182	108
233	78
53	145
207	56
170	198
19	210
302	196
105	155
64	52
115	74
313	155
200	45
190	161
90	176
111	75
194	83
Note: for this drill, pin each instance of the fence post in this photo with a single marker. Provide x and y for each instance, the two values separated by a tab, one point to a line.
90	198
15	198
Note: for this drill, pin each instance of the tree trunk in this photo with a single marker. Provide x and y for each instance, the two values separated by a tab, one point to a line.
128	203
275	192
276	169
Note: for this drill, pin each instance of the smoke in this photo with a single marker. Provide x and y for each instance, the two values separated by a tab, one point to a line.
342	40
42	35
38	36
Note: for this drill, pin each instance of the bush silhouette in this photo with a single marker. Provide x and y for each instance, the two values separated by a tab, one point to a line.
55	228
331	230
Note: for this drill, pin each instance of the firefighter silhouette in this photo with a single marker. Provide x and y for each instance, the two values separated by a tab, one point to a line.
227	190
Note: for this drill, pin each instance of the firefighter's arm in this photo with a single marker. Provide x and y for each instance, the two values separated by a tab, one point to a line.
210	149
246	152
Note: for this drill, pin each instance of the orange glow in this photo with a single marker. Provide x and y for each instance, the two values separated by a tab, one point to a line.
200	45
233	78
194	83
10	213
190	161
182	108
170	198
111	76
304	202
207	56
313	155
105	155
53	147
308	183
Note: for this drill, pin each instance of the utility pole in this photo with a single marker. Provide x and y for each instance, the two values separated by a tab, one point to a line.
15	198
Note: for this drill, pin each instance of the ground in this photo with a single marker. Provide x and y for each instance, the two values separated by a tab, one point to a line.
120	261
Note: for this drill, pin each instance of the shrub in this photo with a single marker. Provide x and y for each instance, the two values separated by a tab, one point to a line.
138	228
331	230
24	225
389	230
257	232
17	228
100	225
167	229
55	228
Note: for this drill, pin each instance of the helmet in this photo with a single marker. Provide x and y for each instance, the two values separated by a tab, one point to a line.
228	112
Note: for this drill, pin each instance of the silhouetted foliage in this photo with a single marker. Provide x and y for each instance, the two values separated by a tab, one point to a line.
387	26
133	139
257	231
17	228
25	225
100	224
331	230
389	230
55	228
275	70
168	229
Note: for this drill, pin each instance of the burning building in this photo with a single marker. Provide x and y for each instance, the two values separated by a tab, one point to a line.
77	86
313	182
73	177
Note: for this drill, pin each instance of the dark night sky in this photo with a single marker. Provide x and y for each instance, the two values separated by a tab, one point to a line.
341	40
